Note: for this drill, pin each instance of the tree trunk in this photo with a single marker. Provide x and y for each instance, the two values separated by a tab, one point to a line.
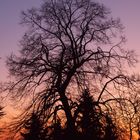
70	119
62	90
130	138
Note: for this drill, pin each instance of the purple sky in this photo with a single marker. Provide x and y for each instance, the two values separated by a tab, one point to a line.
11	32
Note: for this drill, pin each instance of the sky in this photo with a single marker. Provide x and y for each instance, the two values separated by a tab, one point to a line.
11	31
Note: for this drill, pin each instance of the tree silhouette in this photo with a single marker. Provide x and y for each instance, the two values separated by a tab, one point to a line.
57	132
1	112
69	45
34	129
90	117
2	127
111	131
93	121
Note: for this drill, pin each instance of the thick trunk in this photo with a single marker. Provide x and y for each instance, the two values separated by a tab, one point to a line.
62	89
70	119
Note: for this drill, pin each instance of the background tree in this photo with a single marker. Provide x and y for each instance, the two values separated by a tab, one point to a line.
89	117
69	45
33	129
129	112
111	130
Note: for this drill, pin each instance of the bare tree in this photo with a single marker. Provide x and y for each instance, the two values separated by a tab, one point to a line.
70	44
129	113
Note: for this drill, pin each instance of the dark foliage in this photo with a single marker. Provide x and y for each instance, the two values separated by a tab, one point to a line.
90	120
91	123
111	131
33	129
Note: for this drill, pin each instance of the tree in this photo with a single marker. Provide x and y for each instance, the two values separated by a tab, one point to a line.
34	129
129	113
2	128
93	121
111	130
69	45
1	112
89	117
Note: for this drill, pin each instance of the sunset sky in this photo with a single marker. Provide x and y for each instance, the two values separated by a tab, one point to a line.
11	31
